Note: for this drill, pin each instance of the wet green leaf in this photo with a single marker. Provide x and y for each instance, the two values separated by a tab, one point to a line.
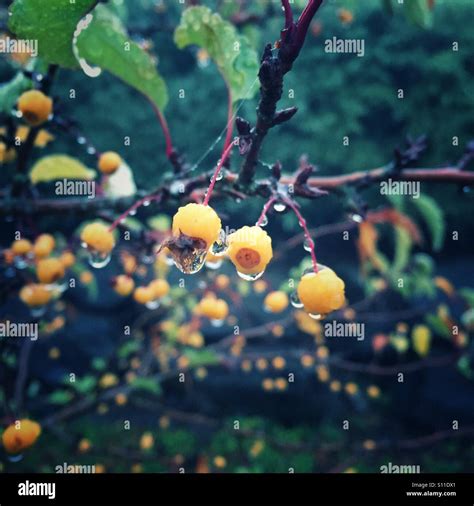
236	60
52	23
105	44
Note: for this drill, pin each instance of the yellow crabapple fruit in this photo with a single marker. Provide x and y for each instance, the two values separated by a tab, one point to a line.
276	302
20	435
123	285
213	308
144	294
321	292
98	237
49	270
199	222
43	245
68	259
21	247
35	106
160	288
250	250
109	162
35	295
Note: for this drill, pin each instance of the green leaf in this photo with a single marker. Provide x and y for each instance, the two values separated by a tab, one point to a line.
51	168
128	348
235	58
434	219
83	385
403	244
10	91
104	43
198	358
52	23
161	222
419	13
60	397
147	384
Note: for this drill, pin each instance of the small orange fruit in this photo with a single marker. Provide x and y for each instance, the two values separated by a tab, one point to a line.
250	250
35	106
98	237
49	270
35	295
276	302
20	435
109	162
321	292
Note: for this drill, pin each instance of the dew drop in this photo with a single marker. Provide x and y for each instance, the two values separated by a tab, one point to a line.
146	203
38	311
279	207
264	222
217	323
98	259
133	212
191	261
20	262
153	304
81	140
202	285
308	244
250	277
315	316
220	247
357	218
91	150
213	265
295	301
220	175
15	458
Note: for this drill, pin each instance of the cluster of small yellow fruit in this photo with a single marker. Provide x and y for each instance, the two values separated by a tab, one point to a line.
196	229
49	269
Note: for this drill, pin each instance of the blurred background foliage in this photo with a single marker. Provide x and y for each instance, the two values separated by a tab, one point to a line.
337	95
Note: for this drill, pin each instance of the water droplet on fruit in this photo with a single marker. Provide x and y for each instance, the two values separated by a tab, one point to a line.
315	316
217	323
279	207
250	277
98	259
220	247
153	304
20	262
295	301
213	265
38	311
191	261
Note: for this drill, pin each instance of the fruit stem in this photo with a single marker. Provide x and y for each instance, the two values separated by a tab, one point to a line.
221	162
303	225
135	206
230	115
165	128
265	209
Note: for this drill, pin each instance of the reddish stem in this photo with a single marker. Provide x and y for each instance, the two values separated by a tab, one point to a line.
303	225
132	208
222	160
230	116
265	209
165	128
